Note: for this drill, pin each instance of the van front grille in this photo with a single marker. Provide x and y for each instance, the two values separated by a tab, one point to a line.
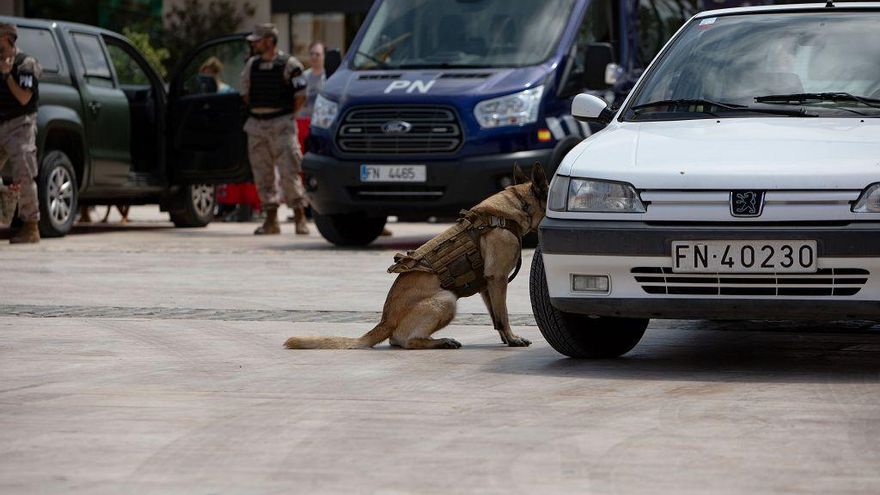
825	282
380	131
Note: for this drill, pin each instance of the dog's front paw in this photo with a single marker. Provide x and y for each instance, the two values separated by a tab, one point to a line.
450	344
518	341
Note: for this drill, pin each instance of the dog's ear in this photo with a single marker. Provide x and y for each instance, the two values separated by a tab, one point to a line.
519	176
540	187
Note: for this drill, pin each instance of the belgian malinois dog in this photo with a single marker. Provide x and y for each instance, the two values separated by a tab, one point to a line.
418	305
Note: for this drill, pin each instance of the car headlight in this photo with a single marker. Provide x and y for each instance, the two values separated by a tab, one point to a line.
516	109
324	113
869	201
588	195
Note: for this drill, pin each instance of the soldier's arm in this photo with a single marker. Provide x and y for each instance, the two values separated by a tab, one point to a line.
246	81
22	89
294	71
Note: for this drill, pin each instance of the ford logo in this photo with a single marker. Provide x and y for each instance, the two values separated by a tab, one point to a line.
396	127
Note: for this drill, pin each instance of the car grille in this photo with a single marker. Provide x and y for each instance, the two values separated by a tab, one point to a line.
825	282
397	193
434	130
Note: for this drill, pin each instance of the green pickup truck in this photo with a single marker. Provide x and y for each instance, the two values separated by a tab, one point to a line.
111	131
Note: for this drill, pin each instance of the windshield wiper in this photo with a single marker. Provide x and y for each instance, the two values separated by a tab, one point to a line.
800	98
727	106
382	63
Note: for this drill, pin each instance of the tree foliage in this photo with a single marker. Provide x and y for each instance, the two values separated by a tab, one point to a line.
155	56
192	22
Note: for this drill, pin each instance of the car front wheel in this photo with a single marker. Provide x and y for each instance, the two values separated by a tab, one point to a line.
193	206
58	194
575	335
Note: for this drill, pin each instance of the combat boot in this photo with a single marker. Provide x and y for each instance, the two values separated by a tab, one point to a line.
299	217
270	225
28	234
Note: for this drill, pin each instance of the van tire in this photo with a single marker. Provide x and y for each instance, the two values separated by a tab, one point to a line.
562	148
352	229
58	194
575	335
193	206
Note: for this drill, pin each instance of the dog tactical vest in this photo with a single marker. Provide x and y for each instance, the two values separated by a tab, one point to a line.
454	255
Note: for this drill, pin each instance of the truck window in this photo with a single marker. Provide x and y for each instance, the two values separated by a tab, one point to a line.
216	69
40	44
462	33
93	61
658	21
128	70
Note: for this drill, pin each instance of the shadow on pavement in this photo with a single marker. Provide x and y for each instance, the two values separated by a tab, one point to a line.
841	352
81	229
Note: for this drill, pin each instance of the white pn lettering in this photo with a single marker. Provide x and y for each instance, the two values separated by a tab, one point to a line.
410	86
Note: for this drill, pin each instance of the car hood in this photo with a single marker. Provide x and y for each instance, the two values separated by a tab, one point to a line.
391	85
745	153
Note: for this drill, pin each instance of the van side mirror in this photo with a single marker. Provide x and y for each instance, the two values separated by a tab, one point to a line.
589	108
332	61
597	57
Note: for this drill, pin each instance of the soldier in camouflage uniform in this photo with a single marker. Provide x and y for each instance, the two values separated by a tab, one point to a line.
270	82
18	128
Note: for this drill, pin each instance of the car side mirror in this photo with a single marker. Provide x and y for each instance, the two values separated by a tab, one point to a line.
596	60
332	61
589	108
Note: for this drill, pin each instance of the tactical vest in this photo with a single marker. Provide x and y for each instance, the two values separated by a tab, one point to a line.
10	107
454	255
269	88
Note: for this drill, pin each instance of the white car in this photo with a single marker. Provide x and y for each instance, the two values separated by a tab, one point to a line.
739	180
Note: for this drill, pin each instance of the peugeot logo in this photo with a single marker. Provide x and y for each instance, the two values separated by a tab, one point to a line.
396	127
746	203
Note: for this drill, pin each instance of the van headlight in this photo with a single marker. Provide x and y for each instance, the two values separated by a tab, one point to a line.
589	195
324	113
516	109
869	201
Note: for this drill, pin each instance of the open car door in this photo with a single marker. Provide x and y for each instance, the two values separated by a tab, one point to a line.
206	143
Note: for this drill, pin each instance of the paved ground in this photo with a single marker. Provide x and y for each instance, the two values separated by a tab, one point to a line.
144	359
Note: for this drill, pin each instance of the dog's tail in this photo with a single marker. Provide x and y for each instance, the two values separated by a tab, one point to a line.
379	333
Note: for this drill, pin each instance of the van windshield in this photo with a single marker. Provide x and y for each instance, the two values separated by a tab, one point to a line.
462	33
784	64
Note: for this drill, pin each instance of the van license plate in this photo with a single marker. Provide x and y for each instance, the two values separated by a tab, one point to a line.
393	173
794	256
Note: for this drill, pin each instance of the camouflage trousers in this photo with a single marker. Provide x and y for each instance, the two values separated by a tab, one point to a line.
273	149
18	156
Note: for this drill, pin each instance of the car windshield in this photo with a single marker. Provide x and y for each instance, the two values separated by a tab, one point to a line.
462	33
772	64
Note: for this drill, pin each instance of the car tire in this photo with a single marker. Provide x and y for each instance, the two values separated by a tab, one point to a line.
194	206
352	229
58	194
575	335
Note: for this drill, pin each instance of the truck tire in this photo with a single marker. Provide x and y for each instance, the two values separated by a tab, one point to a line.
580	336
193	206
58	194
352	229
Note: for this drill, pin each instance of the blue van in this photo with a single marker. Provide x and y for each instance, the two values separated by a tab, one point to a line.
436	100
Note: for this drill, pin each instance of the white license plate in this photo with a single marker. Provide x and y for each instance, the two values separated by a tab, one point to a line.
744	256
394	173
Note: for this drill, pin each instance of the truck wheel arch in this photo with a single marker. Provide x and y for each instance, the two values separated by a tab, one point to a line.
61	129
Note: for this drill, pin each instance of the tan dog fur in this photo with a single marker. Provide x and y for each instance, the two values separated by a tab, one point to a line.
417	307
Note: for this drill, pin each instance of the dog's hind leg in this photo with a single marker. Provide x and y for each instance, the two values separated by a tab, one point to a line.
425	318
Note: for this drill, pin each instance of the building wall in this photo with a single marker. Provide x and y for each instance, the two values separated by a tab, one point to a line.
263	11
8	7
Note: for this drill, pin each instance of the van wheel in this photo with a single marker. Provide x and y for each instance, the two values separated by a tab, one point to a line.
352	229
580	336
562	148
193	206
58	194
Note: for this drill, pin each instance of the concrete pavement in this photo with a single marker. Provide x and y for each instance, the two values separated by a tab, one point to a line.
145	359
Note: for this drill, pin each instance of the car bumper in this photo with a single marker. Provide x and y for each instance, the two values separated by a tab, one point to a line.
637	259
334	185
